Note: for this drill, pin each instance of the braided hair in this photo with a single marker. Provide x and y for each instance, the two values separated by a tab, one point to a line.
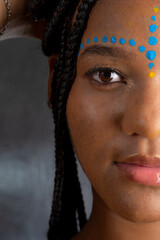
62	38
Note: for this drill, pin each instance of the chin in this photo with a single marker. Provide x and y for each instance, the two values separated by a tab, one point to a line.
138	204
146	213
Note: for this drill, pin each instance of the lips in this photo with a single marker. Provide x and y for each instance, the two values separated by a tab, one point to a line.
141	169
146	161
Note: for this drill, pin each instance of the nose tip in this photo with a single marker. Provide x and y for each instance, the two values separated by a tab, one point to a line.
142	110
142	121
143	133
142	127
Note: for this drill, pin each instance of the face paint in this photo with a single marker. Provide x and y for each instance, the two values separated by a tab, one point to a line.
88	40
152	74
153	40
95	39
153	18
142	49
132	42
153	28
104	39
156	9
151	65
122	41
154	134
113	39
150	54
81	46
130	23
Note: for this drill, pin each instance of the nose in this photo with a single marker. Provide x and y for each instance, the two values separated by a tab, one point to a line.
142	111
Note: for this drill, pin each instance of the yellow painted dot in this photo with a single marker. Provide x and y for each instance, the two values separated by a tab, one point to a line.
154	134
152	74
130	23
156	9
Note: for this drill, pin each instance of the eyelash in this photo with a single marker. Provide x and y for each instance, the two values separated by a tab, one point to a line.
99	70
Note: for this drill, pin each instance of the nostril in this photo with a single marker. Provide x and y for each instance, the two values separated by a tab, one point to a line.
134	134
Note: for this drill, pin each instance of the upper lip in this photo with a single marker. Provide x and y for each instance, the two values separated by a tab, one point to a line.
146	161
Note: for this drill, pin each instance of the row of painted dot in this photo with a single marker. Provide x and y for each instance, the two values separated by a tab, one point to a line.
153	41
150	54
153	27
113	40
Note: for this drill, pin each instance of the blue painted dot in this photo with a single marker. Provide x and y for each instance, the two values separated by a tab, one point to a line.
151	65
113	39
151	55
153	40
132	42
88	40
153	18
122	41
104	39
81	46
153	28
95	39
142	48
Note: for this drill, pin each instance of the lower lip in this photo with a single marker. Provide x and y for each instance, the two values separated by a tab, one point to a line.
145	175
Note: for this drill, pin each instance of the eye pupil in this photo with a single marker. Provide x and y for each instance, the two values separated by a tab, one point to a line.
105	76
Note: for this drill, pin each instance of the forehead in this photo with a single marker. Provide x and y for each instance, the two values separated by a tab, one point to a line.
122	17
132	24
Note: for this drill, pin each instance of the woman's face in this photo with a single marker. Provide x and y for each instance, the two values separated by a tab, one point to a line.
112	122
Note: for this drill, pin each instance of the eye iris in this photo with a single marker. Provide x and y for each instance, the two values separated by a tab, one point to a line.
105	76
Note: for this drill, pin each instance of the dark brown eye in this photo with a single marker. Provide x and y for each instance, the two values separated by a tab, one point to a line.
107	76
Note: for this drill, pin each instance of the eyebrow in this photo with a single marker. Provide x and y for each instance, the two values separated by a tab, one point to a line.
101	50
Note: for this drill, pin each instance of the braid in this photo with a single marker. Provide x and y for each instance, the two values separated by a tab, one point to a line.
42	9
71	58
67	197
58	69
50	41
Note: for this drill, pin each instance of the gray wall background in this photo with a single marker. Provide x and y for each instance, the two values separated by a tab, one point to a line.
27	143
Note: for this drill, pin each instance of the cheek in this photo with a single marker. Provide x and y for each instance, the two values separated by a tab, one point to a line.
92	119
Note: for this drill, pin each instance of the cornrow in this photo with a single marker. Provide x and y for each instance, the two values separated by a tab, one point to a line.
67	197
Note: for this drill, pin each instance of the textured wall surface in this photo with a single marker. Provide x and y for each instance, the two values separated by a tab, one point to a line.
26	143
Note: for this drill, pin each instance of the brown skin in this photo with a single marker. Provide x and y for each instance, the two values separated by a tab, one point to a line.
21	24
113	122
